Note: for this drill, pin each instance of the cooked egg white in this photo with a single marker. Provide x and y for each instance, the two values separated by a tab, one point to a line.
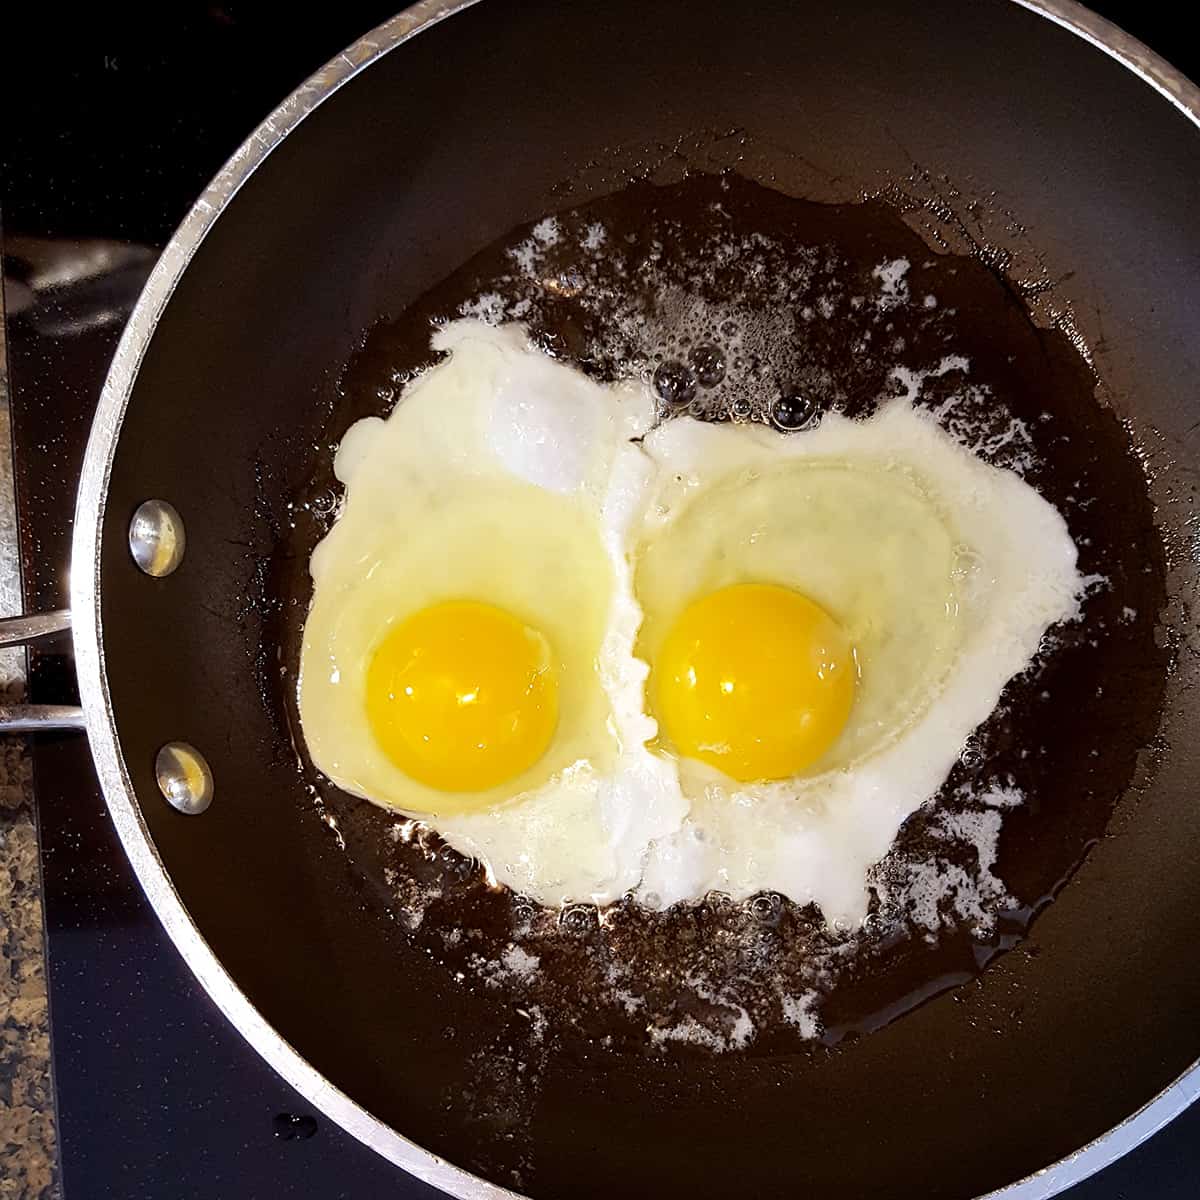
714	657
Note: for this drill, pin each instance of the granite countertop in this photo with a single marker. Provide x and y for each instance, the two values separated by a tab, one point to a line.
27	1129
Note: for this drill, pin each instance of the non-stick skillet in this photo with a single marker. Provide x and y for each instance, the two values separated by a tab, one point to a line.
371	183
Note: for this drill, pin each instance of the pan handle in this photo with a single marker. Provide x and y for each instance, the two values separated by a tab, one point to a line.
17	631
36	718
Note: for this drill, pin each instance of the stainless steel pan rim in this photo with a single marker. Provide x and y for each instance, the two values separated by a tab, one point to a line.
93	684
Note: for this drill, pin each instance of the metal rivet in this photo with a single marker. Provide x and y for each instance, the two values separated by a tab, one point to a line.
184	778
156	538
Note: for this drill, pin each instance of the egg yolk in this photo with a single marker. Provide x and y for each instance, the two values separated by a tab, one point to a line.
462	696
756	680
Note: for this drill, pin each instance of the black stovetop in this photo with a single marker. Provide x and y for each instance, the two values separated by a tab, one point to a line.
112	127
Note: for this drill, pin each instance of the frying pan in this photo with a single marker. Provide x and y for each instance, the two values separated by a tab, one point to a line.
374	180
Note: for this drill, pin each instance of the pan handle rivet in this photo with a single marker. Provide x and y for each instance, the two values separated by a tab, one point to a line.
184	778
156	538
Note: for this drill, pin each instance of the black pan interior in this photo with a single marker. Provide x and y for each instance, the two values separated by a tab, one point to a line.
424	159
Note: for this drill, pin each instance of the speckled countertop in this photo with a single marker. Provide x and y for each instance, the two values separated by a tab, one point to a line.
27	1130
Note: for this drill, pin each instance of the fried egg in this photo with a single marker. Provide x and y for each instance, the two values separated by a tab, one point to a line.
828	615
467	657
603	653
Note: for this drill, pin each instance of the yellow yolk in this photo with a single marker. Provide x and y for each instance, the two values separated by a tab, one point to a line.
755	680
462	696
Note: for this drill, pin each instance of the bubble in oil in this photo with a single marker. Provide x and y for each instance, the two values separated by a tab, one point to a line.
708	363
675	383
428	841
873	924
767	908
579	919
971	755
456	865
793	410
323	504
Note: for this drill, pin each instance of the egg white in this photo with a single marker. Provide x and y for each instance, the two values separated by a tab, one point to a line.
507	477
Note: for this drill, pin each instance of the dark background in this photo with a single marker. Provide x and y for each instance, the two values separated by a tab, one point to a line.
114	120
